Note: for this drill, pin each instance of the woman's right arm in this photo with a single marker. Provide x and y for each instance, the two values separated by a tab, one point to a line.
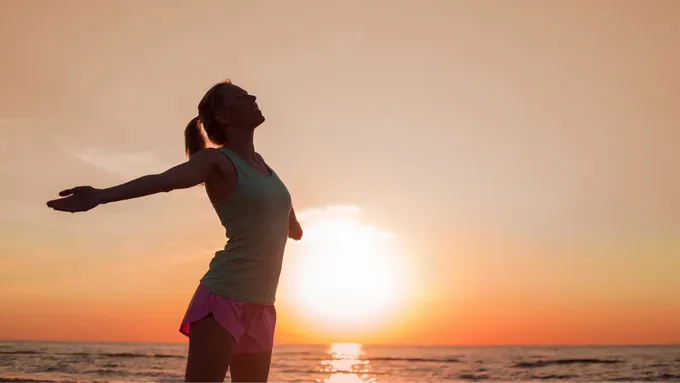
294	227
191	173
186	175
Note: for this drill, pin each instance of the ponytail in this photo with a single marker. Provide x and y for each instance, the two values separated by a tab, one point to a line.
193	137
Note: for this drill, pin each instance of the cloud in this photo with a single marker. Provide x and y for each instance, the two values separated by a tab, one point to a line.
328	212
337	222
127	164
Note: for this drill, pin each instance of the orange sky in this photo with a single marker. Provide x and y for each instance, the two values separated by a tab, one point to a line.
520	153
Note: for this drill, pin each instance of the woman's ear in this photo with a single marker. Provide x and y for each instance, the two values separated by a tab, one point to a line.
221	119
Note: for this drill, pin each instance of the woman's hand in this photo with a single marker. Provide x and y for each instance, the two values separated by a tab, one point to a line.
81	198
295	231
294	228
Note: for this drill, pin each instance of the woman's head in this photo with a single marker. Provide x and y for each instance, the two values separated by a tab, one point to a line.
224	111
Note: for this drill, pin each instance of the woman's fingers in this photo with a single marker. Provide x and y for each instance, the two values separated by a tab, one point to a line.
62	204
57	204
74	190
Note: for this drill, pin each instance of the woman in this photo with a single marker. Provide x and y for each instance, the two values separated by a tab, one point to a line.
230	320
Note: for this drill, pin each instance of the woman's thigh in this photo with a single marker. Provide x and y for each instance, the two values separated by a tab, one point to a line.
210	349
250	367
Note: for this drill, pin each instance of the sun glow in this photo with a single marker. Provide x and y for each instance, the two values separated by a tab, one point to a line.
345	364
347	273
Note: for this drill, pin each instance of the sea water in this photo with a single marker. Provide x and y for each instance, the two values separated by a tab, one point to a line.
345	363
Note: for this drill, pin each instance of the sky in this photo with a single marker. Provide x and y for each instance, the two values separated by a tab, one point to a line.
505	170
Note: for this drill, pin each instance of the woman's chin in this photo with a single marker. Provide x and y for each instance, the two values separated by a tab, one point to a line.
259	120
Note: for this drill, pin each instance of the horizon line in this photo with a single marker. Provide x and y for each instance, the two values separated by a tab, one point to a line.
669	344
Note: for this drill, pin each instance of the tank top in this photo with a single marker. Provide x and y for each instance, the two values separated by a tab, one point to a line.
255	216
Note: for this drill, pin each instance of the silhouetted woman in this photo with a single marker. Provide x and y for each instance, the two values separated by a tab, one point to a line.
230	320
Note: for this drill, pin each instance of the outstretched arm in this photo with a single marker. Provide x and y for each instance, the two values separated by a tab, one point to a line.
294	228
182	176
188	174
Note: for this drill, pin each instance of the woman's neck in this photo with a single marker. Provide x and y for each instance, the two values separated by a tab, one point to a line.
242	144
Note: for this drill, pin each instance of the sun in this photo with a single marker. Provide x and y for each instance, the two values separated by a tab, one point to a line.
346	272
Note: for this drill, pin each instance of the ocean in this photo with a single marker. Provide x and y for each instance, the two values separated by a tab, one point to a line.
346	363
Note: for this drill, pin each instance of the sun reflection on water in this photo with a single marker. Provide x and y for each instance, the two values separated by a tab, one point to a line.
345	365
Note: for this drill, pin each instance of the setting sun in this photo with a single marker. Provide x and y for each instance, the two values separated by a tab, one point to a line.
346	272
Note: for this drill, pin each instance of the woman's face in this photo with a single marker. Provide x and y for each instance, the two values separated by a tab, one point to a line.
234	108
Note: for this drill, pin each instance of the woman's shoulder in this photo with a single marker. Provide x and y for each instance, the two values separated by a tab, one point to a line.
208	154
218	157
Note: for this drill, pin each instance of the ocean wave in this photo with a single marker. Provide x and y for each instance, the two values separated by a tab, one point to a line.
57	368
135	355
103	371
316	371
152	374
561	362
77	354
473	377
297	353
294	371
425	360
60	367
399	359
658	378
21	352
552	377
85	354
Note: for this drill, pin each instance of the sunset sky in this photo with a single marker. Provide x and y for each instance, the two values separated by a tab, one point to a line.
467	172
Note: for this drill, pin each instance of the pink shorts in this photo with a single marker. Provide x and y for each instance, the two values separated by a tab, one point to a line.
251	325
